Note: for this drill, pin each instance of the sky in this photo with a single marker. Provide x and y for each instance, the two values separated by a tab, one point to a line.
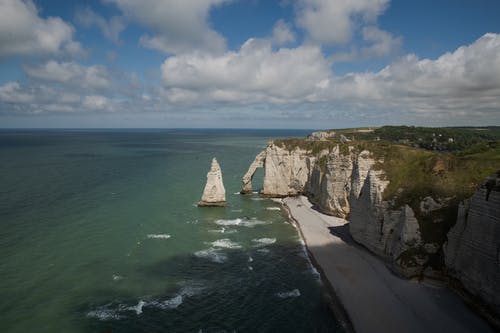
249	63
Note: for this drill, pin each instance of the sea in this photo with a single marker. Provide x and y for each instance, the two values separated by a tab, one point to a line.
100	232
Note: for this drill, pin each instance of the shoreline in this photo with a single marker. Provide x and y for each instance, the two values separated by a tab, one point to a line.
334	301
365	295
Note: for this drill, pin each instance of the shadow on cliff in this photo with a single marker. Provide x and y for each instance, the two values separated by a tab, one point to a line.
343	233
264	289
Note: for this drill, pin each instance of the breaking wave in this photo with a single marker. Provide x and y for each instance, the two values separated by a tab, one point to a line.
224	231
288	294
158	236
264	241
241	222
212	254
226	244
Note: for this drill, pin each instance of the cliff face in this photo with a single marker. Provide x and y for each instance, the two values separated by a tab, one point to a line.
286	172
392	234
330	184
472	252
408	228
345	183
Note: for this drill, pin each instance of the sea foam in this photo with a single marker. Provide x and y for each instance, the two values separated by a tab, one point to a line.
226	244
104	313
241	222
212	255
223	231
158	236
264	241
288	294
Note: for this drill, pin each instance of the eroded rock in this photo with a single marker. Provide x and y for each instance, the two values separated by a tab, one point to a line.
214	193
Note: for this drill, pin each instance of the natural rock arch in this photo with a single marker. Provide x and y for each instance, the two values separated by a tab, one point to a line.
259	161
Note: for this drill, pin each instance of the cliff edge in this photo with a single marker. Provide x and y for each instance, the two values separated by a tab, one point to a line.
408	205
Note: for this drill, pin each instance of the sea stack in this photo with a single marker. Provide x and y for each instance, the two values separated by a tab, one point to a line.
214	193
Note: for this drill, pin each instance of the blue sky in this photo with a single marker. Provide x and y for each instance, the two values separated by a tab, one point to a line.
249	63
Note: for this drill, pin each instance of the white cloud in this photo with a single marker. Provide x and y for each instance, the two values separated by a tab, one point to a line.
179	26
382	43
255	73
13	93
71	73
333	22
282	33
284	84
23	32
111	28
464	83
97	103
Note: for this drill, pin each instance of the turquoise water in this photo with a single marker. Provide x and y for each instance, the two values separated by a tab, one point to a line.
99	232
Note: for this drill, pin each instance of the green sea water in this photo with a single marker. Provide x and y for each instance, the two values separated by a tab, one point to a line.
99	232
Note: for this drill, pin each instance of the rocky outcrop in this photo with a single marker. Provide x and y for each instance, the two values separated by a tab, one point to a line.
258	162
286	171
350	184
214	193
320	136
330	183
392	234
472	252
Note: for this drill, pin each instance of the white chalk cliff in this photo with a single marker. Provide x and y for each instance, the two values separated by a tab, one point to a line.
214	193
246	187
472	253
346	183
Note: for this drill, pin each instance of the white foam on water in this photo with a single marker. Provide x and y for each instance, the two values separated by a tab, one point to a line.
138	307
158	236
264	241
273	208
277	200
250	268
188	290
104	313
117	277
171	303
241	222
250	259
223	231
212	255
263	251
226	244
192	221
236	193
257	199
314	271
288	294
191	290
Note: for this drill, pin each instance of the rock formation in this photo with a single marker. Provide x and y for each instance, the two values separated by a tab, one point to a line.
320	136
214	193
247	178
286	172
472	253
330	182
392	234
350	184
344	183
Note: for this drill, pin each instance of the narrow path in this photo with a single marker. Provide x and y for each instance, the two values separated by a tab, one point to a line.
375	299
